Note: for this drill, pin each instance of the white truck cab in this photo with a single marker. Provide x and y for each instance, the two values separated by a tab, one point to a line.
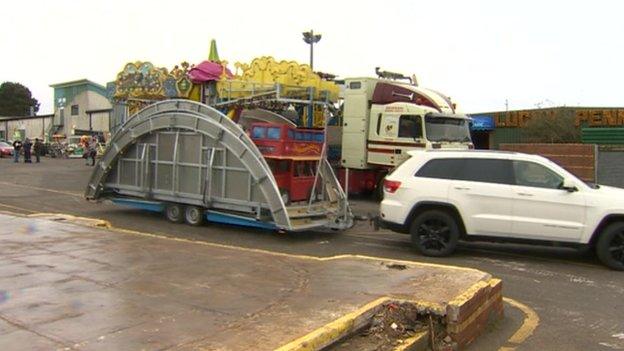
384	119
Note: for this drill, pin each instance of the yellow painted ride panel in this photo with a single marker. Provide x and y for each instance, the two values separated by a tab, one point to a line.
263	73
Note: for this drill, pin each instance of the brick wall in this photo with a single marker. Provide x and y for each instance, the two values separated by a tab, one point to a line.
578	159
470	314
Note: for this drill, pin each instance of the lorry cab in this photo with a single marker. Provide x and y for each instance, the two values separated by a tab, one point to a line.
397	128
384	119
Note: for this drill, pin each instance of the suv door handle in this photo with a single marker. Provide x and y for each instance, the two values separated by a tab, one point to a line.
525	194
461	188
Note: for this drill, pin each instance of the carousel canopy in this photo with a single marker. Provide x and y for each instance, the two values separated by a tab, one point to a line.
208	71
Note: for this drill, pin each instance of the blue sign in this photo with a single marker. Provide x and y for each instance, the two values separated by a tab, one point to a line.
482	123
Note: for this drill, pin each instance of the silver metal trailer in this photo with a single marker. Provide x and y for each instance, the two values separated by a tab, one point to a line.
192	162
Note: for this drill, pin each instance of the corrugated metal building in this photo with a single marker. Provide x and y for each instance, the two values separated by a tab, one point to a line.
21	127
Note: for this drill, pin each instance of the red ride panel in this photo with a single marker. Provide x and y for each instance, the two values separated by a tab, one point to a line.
292	154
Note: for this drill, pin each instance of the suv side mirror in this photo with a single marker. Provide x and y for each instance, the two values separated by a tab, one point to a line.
568	185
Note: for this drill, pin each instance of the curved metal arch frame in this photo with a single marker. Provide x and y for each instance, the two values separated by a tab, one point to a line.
196	117
199	109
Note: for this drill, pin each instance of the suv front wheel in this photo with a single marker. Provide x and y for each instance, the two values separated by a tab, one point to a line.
434	233
610	246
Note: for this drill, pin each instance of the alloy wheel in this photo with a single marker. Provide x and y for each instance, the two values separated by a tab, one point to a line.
616	247
434	234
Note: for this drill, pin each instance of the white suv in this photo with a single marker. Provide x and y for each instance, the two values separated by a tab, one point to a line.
440	197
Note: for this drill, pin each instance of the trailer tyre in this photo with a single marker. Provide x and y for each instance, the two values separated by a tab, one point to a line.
174	213
285	196
194	215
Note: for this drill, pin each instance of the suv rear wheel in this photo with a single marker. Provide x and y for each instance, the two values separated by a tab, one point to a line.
434	233
610	246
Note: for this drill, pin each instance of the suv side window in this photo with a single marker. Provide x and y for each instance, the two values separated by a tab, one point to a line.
486	170
535	175
442	168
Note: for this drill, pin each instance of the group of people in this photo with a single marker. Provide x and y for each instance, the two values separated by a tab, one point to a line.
28	147
89	145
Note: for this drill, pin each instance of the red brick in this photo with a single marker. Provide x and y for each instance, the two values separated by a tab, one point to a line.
497	288
466	336
461	312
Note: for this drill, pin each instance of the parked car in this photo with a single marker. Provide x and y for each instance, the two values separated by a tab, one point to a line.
441	197
6	149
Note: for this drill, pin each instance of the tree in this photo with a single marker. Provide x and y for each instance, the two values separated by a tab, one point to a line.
16	100
552	126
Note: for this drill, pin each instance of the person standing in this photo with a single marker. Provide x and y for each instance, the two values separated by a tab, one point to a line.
17	146
93	150
84	141
27	147
38	147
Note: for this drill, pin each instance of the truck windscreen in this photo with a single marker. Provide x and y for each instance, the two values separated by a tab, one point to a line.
447	129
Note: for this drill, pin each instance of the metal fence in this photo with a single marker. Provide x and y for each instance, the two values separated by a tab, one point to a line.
610	166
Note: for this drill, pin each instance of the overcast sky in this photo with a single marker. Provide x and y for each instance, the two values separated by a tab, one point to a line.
481	53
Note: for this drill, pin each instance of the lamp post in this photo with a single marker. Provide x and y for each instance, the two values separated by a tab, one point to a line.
311	38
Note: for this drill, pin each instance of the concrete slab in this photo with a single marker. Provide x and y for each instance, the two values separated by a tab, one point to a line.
84	287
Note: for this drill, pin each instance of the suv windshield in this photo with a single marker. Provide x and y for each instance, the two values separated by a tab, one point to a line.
447	129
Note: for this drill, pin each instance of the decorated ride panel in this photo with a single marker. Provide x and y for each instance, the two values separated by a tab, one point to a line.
282	141
141	83
145	81
265	72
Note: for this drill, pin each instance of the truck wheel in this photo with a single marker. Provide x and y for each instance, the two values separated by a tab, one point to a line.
434	233
194	215
610	246
173	212
378	193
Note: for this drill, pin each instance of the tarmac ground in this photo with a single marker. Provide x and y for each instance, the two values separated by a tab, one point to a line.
82	287
555	298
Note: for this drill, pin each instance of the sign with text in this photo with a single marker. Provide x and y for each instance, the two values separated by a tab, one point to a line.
606	117
600	118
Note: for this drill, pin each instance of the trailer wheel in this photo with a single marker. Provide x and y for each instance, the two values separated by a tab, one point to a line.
285	196
194	215
173	212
